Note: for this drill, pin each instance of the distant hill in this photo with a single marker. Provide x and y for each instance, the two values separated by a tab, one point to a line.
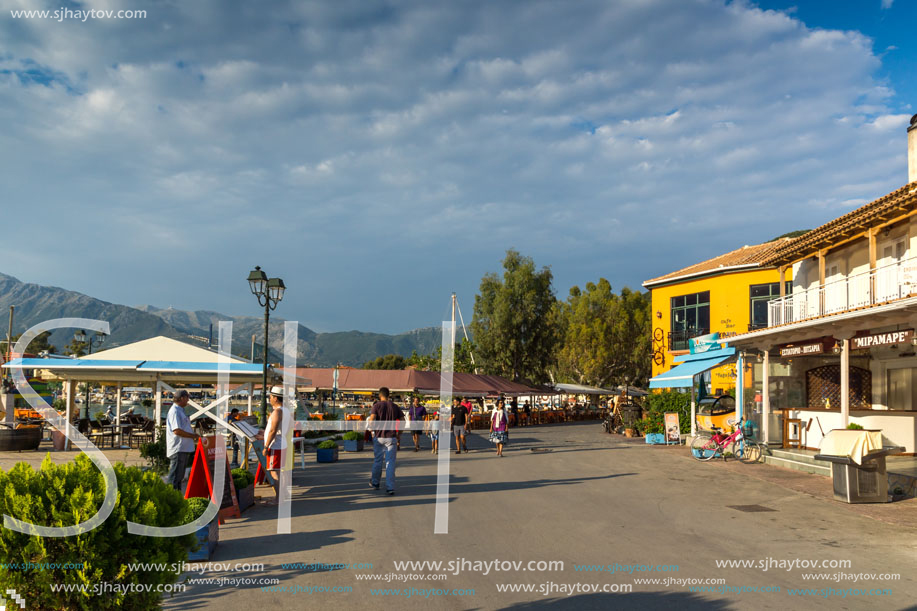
318	349
35	304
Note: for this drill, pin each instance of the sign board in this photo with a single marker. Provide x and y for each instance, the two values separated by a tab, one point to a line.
802	350
200	482
703	343
672	428
882	339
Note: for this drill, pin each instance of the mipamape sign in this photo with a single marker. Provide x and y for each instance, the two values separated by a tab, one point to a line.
802	349
882	339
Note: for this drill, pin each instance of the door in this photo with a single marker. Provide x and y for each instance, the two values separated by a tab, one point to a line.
889	276
835	289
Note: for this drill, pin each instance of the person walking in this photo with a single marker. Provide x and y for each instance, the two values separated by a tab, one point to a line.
459	419
498	426
527	410
180	438
385	445
514	410
432	428
416	414
274	440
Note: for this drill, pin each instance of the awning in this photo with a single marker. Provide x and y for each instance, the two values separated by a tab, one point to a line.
682	376
579	389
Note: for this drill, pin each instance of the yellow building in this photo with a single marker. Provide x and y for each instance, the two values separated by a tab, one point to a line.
727	295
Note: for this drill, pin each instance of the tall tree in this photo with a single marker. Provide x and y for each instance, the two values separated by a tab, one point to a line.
514	326
389	361
606	336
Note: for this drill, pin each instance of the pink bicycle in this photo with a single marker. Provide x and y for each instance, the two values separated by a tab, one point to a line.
706	446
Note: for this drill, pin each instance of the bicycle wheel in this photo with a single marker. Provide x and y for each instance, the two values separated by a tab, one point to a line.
752	452
704	448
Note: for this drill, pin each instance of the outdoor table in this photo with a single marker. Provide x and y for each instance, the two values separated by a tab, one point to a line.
855	444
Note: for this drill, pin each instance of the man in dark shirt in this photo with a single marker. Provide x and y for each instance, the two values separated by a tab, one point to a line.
528	413
459	418
385	415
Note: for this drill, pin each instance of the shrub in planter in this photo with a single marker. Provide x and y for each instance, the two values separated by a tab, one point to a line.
244	482
327	451
207	536
67	494
853	426
353	441
155	454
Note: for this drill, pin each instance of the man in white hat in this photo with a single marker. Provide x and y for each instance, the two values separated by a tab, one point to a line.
274	442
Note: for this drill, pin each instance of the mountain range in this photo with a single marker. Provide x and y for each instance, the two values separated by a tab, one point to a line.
36	303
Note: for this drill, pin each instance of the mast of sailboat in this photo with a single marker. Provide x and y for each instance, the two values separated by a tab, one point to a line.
455	306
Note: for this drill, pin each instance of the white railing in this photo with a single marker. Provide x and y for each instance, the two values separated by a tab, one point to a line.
868	288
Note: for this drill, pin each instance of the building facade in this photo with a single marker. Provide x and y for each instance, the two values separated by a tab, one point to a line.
728	294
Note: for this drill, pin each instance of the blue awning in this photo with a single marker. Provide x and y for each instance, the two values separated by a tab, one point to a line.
700	356
682	376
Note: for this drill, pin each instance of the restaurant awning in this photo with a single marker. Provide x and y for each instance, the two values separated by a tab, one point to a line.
579	389
682	376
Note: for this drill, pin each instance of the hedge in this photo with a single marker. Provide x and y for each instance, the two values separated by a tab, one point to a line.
67	494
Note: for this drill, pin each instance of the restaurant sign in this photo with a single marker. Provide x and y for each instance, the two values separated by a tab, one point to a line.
882	339
802	349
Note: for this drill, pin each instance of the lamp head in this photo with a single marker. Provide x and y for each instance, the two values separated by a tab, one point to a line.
257	281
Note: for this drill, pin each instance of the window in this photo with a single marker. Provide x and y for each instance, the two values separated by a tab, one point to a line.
760	294
690	318
901	389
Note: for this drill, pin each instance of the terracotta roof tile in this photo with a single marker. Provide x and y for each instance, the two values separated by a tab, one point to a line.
896	203
745	256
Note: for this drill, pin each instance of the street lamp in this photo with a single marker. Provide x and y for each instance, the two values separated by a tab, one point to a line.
269	292
82	338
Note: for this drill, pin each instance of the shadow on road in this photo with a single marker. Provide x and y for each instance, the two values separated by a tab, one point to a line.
663	601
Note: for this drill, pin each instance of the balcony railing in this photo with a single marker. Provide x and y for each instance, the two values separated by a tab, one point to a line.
862	290
678	340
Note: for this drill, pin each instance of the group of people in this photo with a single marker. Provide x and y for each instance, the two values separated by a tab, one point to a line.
181	438
386	437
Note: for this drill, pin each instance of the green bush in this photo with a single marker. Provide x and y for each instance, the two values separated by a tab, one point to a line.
67	494
853	426
242	478
195	508
155	454
654	422
352	436
328	444
670	401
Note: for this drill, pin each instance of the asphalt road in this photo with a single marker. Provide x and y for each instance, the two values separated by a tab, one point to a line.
584	498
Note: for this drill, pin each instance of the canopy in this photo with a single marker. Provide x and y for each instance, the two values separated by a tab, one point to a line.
159	348
579	389
136	371
411	380
682	376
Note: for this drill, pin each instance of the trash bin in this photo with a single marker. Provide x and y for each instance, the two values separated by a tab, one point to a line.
866	483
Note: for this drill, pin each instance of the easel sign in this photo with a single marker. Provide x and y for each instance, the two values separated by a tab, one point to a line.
200	483
672	429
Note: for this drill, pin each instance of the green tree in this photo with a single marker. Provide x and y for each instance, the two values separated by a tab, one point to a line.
606	336
76	348
38	344
389	361
462	362
514	325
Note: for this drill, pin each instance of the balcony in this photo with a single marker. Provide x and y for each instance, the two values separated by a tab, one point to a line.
678	340
862	290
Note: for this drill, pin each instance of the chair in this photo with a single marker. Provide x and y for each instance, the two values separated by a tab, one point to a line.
144	435
97	431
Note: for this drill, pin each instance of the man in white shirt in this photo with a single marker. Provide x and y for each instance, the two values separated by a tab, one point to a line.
180	438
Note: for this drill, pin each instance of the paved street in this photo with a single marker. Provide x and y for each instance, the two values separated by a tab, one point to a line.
591	499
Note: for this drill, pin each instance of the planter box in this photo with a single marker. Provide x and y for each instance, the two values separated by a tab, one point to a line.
207	537
355	445
246	497
655	438
326	455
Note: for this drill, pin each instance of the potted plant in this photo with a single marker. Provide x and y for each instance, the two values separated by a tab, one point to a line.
353	441
853	426
207	536
653	428
244	482
327	451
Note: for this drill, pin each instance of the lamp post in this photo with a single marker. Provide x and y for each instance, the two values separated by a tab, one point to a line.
82	338
269	293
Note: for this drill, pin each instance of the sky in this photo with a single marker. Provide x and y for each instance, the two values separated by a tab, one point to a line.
378	156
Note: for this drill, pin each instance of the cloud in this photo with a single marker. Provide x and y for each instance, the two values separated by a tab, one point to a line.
887	4
402	140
